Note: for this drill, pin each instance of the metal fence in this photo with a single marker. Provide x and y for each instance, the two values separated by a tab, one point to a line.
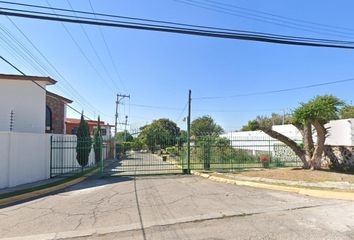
69	157
169	156
158	156
215	153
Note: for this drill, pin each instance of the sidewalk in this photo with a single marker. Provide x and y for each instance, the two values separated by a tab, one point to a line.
27	186
321	190
25	192
322	185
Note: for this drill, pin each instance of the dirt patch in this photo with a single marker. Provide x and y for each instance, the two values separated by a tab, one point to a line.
298	174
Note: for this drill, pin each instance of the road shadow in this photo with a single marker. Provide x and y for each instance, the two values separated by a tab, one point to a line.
93	181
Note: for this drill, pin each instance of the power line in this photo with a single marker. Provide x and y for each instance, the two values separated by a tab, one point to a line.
216	34
128	18
22	52
249	14
331	27
33	60
95	51
75	94
275	91
156	107
17	69
108	50
137	19
82	52
183	110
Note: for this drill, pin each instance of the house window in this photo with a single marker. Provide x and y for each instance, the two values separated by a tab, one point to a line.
74	130
48	119
103	132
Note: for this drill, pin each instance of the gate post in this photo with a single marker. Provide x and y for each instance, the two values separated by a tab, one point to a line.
189	133
101	151
51	157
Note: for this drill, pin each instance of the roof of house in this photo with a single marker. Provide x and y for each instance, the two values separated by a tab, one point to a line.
48	80
89	122
66	100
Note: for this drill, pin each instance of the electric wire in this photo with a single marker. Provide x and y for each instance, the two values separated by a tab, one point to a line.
275	91
182	112
73	93
82	52
31	59
260	38
95	51
113	62
330	27
134	18
17	69
265	19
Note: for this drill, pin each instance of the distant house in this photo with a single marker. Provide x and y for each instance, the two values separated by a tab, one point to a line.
72	124
25	105
55	113
340	133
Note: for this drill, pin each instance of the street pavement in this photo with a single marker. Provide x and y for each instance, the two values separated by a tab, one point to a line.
137	163
175	207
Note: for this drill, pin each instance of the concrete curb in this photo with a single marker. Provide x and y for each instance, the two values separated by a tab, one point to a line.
37	193
330	194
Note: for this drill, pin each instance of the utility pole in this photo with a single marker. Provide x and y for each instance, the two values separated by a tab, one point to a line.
120	97
189	132
125	128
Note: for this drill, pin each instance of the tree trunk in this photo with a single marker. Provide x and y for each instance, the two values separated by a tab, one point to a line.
308	140
290	143
306	132
316	159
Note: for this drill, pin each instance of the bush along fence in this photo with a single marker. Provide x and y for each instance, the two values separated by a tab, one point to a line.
220	153
217	153
70	155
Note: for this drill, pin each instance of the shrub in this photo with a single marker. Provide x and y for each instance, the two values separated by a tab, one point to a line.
122	148
171	150
97	146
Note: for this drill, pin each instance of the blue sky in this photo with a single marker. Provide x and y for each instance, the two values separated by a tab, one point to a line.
157	69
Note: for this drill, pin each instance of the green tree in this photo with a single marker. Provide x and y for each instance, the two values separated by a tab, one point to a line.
97	145
275	119
205	126
182	138
160	133
84	142
124	136
311	115
252	125
347	112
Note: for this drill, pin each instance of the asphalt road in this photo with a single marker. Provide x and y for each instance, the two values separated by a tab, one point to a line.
137	163
175	207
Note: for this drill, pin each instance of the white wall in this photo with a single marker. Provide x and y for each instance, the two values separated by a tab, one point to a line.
64	154
24	158
340	132
288	130
27	100
251	140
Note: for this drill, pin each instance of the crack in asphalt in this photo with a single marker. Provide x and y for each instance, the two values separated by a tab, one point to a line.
223	216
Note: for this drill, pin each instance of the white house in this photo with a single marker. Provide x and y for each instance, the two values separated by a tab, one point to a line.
340	133
25	101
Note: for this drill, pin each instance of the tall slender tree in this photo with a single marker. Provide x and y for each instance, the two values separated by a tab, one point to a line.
84	142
